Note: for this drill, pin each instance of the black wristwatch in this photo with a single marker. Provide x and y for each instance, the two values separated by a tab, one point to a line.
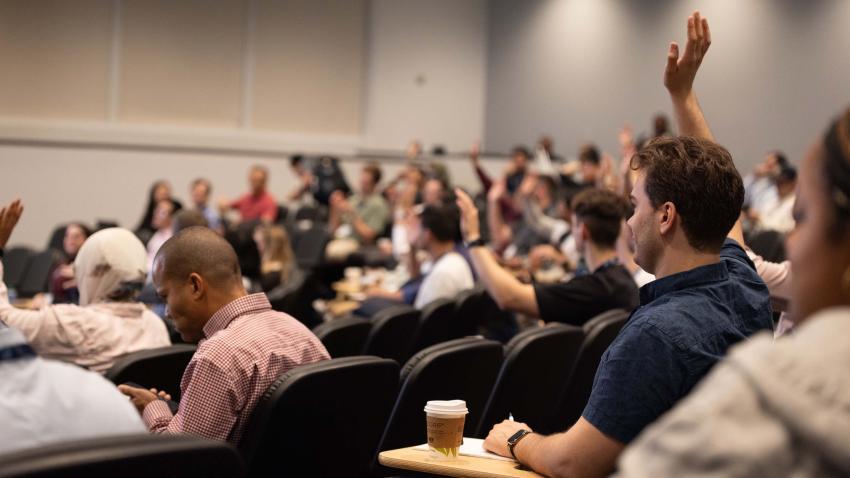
514	439
480	242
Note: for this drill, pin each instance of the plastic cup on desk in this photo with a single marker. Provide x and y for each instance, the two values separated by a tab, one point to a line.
445	420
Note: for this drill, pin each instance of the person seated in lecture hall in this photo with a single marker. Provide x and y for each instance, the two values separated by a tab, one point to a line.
359	220
46	401
108	323
257	203
706	297
243	345
776	408
63	287
435	230
160	191
200	191
597	217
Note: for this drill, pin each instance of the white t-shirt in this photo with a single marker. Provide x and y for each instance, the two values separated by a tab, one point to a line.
45	401
449	276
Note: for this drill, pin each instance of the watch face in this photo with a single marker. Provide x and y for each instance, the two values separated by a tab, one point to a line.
516	436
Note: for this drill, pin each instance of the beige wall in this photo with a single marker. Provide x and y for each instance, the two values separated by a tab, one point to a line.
279	66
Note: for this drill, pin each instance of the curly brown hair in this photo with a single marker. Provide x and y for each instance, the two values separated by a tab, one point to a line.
699	177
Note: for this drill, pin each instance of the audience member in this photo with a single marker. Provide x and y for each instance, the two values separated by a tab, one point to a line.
110	271
243	345
277	261
778	216
163	223
201	190
597	217
437	234
63	287
160	191
760	185
361	219
777	408
584	173
707	295
45	401
434	230
305	179
257	203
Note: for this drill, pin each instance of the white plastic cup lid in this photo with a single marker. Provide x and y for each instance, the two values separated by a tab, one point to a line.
446	407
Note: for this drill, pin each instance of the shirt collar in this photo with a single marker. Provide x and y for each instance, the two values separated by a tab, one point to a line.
683	280
241	306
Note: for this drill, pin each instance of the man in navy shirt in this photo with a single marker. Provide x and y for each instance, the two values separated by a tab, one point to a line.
706	296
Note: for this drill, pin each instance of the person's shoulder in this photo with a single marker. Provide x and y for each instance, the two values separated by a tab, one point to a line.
736	258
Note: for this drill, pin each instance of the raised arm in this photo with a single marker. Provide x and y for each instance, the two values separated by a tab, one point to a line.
505	289
679	78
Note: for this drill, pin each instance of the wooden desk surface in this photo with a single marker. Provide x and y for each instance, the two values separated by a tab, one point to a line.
465	466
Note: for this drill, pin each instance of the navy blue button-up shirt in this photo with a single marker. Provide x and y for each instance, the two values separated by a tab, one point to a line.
685	323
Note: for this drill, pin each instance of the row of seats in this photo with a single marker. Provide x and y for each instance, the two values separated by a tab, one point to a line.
358	406
398	332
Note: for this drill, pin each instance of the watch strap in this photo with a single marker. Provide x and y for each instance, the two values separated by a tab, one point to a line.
514	439
480	242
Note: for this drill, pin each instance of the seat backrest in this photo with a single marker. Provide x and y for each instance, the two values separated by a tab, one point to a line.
36	278
459	369
161	368
15	263
392	333
598	337
537	366
344	337
478	312
436	324
322	419
128	456
469	307
310	249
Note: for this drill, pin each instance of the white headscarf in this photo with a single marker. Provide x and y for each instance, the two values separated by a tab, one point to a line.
109	260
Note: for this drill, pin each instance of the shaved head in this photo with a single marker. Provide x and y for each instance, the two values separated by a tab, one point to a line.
199	250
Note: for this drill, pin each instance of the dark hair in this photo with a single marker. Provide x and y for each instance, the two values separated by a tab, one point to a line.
837	170
375	170
787	173
602	212
660	125
86	230
520	149
147	218
438	150
781	159
699	177
296	159
589	154
443	221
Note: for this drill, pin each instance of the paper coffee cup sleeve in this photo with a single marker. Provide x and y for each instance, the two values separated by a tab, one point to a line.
445	432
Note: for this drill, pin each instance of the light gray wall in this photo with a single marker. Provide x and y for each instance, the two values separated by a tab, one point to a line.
776	73
426	73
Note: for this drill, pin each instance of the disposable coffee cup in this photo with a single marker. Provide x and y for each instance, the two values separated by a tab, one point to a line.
445	420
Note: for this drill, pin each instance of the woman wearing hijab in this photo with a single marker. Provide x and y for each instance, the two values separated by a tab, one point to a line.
110	271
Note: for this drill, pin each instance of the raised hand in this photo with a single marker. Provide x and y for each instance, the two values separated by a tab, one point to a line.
469	225
680	72
475	152
9	216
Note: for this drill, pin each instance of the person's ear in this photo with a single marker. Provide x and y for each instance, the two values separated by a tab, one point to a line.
667	215
584	232
197	285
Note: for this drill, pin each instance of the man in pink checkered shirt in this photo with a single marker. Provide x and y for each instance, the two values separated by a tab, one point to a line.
243	345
